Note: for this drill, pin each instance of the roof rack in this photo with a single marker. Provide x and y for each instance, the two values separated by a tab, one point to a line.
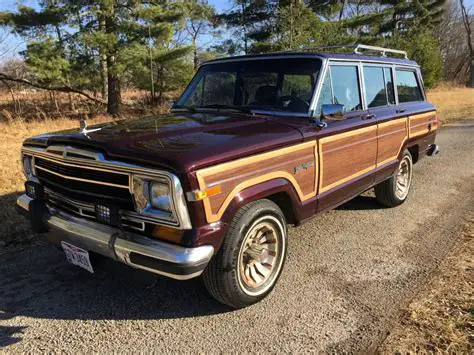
382	50
356	49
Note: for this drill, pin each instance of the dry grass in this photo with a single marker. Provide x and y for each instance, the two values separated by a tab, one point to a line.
452	102
13	226
441	318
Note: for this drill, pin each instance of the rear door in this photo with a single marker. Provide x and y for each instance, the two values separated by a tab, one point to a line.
391	120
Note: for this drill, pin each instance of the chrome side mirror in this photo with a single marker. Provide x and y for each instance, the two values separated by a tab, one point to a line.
332	112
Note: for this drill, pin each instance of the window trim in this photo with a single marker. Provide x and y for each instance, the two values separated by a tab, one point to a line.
418	82
355	64
383	67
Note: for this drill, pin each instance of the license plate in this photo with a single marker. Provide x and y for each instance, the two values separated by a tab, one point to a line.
77	256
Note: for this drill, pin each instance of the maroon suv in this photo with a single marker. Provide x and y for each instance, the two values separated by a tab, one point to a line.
253	144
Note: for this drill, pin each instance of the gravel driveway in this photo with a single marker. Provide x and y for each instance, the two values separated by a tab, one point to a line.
347	275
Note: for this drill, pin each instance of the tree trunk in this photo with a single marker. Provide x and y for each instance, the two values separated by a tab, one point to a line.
71	102
103	75
113	81
472	73
195	54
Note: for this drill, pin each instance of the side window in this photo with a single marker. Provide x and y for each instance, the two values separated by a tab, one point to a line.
375	92
389	86
345	85
407	86
325	96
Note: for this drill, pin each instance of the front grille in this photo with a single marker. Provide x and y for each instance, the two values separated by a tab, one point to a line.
83	173
83	184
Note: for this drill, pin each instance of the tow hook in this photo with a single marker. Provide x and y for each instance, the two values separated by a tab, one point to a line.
433	149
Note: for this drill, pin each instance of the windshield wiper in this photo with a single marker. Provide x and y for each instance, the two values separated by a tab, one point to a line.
229	107
184	107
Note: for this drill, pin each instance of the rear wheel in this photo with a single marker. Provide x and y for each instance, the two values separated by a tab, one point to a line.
251	259
394	191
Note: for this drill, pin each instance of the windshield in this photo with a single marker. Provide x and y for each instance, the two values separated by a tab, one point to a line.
266	84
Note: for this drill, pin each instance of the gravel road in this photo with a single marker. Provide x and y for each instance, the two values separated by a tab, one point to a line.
348	273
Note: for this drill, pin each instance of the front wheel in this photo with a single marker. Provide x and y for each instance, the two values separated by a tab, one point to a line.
251	259
394	191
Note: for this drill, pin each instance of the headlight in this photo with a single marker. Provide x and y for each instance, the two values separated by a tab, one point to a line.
140	193
160	196
27	166
151	197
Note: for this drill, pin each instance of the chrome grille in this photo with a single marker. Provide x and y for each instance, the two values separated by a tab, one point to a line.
79	173
83	183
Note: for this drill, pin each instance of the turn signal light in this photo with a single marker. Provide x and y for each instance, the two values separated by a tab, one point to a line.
202	194
166	233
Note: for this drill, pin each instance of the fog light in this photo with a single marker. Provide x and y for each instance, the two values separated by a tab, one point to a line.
169	234
34	190
107	214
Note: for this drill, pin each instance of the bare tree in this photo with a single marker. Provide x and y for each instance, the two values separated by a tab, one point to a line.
467	24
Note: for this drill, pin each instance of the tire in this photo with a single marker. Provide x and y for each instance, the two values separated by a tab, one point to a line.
234	276
388	193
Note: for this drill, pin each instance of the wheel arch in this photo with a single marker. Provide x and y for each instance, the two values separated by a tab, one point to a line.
280	191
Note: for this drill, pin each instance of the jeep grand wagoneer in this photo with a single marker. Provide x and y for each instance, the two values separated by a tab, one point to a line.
253	144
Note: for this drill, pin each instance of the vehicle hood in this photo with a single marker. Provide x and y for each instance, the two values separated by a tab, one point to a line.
180	142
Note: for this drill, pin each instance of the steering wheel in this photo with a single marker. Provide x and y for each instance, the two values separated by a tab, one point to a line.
295	103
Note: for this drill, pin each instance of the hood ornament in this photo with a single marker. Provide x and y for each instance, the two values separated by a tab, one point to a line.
84	130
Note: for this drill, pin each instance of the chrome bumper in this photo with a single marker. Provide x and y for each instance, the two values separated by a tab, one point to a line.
129	248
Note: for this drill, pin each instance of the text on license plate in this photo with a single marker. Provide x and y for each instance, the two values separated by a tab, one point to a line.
77	256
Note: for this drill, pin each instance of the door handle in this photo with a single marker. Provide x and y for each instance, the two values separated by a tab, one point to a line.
368	117
401	110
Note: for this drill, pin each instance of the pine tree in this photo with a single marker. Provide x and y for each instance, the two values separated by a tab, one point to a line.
102	30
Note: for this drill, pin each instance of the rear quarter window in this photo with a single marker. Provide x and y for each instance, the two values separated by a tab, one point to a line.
408	87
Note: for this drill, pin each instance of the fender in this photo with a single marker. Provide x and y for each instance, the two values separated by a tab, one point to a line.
267	189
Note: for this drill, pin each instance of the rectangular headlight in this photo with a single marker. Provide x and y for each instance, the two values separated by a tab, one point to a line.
152	197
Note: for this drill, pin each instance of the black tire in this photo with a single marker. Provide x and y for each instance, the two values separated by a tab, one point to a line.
223	278
387	193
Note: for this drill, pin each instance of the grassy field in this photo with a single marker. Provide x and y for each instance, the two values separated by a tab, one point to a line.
452	103
13	227
440	318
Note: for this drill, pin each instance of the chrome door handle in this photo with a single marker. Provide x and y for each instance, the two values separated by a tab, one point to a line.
402	110
368	117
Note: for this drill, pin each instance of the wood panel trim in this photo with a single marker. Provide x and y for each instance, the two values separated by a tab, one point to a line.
418	117
202	174
335	138
383	125
346	134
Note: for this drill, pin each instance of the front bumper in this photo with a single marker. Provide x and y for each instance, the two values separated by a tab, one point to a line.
129	248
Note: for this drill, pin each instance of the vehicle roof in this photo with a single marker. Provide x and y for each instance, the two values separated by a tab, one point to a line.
328	55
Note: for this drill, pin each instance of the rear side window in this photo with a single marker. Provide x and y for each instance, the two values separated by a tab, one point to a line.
375	91
407	86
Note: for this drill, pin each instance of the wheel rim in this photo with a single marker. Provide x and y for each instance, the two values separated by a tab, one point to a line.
261	255
403	178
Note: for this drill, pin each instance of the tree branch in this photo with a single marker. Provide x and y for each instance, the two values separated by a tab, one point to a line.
64	88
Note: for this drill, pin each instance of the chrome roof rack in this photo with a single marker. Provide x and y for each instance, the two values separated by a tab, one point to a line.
356	49
381	50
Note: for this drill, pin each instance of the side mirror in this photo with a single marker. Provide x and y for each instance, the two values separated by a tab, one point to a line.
332	112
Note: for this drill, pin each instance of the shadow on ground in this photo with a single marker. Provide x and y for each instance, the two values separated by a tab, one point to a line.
39	283
362	202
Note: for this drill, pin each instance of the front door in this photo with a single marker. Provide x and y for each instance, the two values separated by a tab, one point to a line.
347	148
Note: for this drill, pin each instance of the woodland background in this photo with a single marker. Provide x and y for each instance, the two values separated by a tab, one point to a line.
129	57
